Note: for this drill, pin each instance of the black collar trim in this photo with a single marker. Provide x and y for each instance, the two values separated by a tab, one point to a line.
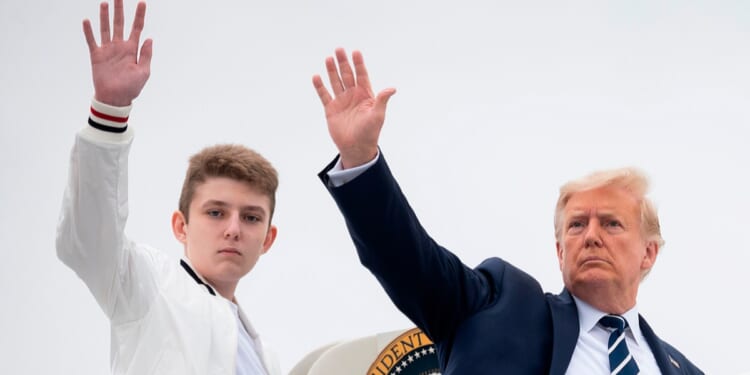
195	277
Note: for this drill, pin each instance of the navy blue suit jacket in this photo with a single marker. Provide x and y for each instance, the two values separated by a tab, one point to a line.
494	318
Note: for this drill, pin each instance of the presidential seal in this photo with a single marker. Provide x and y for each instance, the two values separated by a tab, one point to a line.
411	353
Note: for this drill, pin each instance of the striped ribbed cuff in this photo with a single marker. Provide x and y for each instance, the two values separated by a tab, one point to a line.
109	118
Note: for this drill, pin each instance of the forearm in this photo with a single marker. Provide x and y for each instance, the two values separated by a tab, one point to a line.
428	283
90	234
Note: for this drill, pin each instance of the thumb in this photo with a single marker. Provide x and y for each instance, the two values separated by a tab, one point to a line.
147	50
382	99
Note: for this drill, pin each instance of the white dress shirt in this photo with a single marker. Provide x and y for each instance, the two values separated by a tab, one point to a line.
590	355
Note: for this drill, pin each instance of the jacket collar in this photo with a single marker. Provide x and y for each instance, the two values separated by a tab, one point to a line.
565	331
198	279
667	364
263	355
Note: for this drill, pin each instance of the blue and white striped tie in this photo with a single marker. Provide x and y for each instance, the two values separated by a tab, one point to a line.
621	362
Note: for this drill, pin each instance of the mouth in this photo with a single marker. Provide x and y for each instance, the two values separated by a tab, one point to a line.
230	251
593	260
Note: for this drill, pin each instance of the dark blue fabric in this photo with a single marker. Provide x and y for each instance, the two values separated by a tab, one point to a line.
617	347
492	319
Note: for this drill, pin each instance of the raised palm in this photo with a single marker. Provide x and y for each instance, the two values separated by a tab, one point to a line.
354	115
119	73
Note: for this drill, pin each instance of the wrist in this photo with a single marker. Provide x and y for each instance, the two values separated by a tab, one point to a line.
357	157
109	118
112	100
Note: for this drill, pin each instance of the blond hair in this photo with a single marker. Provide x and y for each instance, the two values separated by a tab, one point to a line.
629	179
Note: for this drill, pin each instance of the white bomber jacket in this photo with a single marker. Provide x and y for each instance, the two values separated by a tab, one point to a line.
164	318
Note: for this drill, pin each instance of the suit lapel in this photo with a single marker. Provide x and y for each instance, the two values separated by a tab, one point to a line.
667	364
565	335
565	331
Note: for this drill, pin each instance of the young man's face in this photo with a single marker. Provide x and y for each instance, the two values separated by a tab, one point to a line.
602	246
227	231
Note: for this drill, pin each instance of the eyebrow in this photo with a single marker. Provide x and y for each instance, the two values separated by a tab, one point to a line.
600	214
223	204
606	215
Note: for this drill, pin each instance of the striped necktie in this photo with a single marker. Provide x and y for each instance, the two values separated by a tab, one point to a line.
621	362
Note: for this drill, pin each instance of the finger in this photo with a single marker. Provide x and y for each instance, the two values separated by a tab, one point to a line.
347	77
333	76
138	22
144	59
89	34
381	101
363	79
323	94
104	23
118	22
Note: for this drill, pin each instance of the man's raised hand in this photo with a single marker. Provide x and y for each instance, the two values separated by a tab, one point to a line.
354	114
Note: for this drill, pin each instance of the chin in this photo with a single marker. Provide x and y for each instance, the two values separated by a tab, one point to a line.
593	281
229	272
590	275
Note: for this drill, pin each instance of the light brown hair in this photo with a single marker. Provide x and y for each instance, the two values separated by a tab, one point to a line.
232	161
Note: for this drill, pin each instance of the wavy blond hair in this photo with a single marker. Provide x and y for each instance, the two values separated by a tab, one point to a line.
629	179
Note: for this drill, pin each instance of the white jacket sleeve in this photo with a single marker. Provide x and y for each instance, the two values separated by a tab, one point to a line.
90	233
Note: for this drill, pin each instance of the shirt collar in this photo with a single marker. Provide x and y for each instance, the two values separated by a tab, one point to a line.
588	318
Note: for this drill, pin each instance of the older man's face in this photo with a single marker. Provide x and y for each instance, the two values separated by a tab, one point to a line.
602	250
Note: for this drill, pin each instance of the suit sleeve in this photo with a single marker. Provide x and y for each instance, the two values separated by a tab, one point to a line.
426	282
90	233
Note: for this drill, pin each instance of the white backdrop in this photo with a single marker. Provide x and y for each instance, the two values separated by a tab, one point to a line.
498	104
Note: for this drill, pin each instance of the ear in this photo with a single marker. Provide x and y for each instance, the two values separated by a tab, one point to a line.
179	227
270	237
649	258
559	254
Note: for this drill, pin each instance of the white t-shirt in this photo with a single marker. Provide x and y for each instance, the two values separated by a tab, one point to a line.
248	361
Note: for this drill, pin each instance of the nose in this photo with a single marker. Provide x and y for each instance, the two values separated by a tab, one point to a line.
593	237
232	230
